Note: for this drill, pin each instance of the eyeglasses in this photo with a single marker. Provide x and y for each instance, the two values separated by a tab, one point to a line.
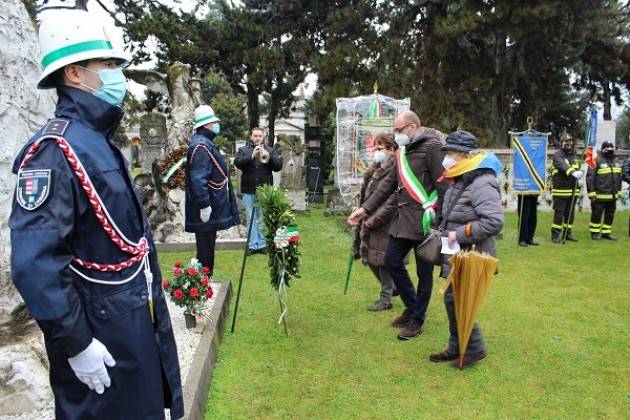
398	130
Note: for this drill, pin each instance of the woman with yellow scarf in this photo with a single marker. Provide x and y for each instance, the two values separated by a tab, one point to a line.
473	216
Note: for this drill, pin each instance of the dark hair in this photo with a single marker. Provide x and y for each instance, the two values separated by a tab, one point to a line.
256	129
387	140
58	77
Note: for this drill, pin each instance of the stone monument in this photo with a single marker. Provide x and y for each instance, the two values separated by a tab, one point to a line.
161	135
23	110
293	179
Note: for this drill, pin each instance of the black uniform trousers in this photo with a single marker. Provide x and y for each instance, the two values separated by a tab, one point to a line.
527	208
605	208
416	300
561	217
205	248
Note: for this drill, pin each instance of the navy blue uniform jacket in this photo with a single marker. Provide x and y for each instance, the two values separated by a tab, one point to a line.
71	310
200	170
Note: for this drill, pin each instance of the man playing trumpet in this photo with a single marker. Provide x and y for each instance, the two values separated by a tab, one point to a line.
257	161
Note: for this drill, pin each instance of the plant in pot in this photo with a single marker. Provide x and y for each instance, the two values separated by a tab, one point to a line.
189	288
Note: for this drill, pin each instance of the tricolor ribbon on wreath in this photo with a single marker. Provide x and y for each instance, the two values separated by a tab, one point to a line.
416	190
286	235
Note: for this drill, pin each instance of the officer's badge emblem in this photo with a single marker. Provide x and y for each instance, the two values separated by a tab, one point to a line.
33	188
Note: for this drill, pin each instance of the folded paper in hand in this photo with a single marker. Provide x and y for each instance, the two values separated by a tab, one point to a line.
449	250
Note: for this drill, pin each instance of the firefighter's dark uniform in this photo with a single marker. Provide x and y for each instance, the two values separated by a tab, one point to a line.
603	184
563	165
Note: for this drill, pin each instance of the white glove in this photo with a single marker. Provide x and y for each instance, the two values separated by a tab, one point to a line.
577	174
89	366
205	214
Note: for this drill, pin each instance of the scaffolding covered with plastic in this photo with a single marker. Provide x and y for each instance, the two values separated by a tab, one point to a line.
359	121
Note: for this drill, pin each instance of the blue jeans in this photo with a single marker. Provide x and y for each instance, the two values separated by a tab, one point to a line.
257	239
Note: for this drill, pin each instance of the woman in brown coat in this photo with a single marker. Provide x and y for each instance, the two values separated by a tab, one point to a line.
373	230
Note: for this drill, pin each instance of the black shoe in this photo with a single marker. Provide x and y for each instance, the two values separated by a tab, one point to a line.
555	237
403	320
596	236
413	330
522	243
444	356
380	306
532	243
468	360
570	237
609	237
250	252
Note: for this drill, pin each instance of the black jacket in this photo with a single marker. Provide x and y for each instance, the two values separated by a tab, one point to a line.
256	173
604	182
563	165
625	174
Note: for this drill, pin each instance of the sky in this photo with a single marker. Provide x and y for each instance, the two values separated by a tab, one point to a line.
187	5
137	90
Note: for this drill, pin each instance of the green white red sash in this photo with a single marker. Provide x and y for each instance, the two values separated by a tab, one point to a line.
416	190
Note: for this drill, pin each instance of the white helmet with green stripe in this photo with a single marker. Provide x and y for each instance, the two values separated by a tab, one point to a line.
69	36
204	114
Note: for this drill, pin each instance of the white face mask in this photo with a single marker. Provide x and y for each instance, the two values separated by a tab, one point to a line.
401	139
448	161
380	156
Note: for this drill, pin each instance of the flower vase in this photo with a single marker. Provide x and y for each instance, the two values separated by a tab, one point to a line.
191	321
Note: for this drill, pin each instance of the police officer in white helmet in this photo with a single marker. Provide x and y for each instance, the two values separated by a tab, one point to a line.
83	256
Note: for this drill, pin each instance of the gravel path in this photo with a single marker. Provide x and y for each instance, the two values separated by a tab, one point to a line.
187	341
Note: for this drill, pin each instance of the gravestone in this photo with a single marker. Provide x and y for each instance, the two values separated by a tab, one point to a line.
293	179
153	137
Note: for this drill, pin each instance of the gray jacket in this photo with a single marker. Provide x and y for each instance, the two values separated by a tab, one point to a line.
480	204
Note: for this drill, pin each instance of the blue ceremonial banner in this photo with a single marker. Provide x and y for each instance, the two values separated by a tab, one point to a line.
530	162
592	129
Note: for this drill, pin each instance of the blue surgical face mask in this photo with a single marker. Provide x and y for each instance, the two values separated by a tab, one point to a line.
114	86
216	128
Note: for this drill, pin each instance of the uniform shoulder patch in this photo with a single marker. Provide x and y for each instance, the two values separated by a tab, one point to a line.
56	126
33	188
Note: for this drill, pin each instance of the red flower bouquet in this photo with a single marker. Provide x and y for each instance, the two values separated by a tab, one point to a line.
190	288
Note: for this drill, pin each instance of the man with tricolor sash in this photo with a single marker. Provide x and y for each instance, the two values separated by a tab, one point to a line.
414	180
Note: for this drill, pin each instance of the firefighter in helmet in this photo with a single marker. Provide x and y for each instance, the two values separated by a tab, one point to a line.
603	184
566	175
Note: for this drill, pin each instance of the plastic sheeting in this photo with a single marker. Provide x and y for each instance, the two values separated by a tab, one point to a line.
359	121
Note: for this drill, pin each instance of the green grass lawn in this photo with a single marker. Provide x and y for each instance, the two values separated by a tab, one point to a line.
555	322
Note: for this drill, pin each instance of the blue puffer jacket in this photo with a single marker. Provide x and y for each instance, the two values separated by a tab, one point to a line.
208	184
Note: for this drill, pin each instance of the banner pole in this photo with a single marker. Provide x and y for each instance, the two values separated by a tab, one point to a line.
521	201
350	260
240	280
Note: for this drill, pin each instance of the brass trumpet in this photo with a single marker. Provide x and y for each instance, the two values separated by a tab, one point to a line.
263	156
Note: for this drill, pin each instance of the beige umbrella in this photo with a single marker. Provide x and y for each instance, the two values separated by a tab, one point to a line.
470	276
